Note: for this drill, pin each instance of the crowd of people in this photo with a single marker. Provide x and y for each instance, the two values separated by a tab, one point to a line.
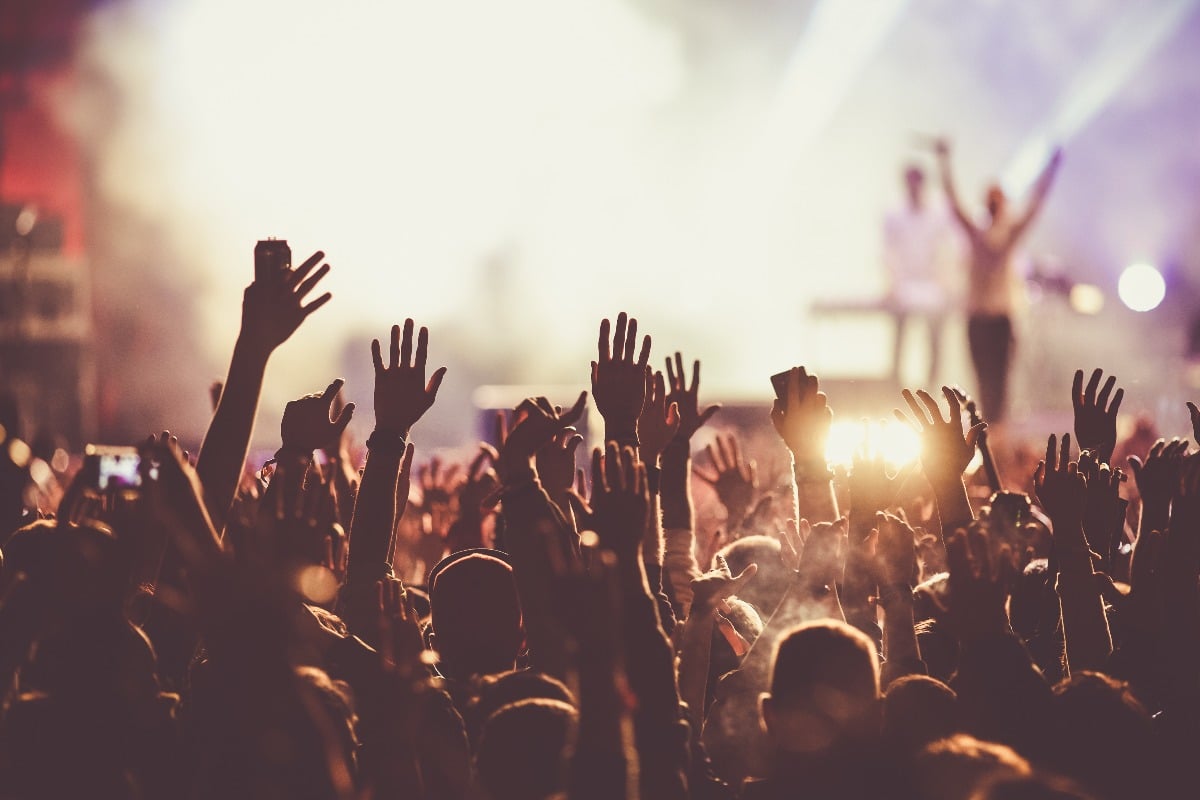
514	628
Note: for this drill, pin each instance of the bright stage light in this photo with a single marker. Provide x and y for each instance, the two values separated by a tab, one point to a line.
1141	287
896	442
1086	299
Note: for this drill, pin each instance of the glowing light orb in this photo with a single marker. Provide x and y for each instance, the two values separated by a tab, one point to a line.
1141	287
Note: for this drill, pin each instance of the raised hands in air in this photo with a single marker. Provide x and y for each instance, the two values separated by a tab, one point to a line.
946	448
402	394
273	309
686	399
1095	413
307	425
619	380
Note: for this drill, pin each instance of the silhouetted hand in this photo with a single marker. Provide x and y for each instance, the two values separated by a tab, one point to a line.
945	449
978	587
307	425
618	381
1061	489
1095	416
556	460
272	310
872	489
659	421
537	423
691	418
401	394
619	500
439	494
803	418
715	587
401	645
1158	475
734	479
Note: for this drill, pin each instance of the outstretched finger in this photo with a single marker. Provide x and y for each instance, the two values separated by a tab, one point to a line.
406	343
630	339
1089	393
1105	391
575	412
315	304
307	286
343	419
604	344
618	344
422	348
1077	389
332	389
395	350
644	355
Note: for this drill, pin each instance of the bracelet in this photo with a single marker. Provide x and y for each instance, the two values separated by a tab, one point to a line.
386	442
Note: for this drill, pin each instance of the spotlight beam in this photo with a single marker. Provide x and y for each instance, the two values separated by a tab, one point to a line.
1131	40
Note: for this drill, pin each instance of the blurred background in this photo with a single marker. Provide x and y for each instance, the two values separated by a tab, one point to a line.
508	173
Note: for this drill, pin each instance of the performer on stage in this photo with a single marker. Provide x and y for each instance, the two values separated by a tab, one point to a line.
919	253
994	287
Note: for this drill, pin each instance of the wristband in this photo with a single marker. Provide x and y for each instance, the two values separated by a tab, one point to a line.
386	442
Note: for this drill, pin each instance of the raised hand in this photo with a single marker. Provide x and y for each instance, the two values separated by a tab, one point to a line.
978	584
659	421
439	490
272	310
555	461
401	645
1157	477
620	501
1195	413
716	586
402	395
307	425
872	489
686	398
946	449
1095	416
1062	491
618	381
734	479
803	419
1104	508
537	423
822	560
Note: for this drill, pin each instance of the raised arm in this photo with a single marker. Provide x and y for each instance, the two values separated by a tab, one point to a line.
402	396
1062	491
802	419
679	562
946	450
272	310
1037	197
942	148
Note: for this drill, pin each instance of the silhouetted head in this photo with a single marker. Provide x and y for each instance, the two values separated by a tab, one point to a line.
824	688
475	614
996	201
918	710
954	768
1033	787
499	690
1103	736
523	752
914	185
